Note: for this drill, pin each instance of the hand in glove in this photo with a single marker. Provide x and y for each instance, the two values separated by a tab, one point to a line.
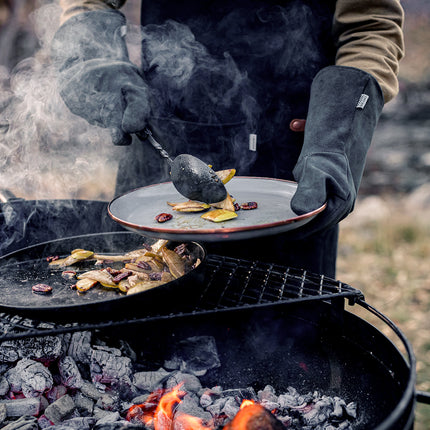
344	108
96	79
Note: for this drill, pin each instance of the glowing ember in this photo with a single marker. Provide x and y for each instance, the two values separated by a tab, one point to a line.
164	413
162	416
253	416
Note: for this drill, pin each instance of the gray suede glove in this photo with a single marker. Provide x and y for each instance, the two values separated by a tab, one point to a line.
96	79
344	109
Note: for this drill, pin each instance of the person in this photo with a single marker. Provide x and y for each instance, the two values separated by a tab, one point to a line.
288	89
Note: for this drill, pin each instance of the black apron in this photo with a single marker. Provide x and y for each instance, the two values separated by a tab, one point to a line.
227	78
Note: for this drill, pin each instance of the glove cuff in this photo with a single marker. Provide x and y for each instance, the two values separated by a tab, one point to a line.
345	102
90	35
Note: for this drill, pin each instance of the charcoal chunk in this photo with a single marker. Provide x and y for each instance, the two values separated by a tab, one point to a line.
108	366
23	423
61	409
30	377
69	372
80	347
149	381
21	407
196	354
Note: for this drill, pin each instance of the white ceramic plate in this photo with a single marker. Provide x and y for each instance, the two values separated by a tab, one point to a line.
137	209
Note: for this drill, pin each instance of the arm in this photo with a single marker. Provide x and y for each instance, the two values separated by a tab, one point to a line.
345	104
74	7
369	37
96	79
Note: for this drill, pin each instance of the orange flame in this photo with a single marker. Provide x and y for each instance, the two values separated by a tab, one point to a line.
159	412
163	417
246	403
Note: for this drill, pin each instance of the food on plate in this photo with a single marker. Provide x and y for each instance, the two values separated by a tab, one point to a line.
129	273
41	289
218	215
227	203
225	175
189	206
163	217
249	206
220	211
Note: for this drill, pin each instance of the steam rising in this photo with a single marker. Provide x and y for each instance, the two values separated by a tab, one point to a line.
45	151
206	88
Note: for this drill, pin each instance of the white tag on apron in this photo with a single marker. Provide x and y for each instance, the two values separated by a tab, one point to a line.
252	142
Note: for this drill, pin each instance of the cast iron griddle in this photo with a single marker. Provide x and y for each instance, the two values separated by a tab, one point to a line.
136	211
22	269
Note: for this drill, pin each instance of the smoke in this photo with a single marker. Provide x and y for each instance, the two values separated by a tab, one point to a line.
45	151
206	88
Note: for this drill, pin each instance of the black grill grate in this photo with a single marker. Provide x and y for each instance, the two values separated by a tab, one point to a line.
229	284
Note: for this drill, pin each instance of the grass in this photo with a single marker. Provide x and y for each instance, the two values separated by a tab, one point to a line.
385	253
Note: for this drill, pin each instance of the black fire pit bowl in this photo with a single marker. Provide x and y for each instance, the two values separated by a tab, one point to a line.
306	346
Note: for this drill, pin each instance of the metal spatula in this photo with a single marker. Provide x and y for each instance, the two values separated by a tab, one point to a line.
193	178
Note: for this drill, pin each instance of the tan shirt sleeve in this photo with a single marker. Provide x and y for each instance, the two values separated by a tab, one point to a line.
370	37
74	7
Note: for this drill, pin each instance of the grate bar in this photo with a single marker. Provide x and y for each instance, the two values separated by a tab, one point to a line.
229	284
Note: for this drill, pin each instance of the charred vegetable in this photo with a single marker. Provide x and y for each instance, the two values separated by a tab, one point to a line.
219	215
132	272
189	206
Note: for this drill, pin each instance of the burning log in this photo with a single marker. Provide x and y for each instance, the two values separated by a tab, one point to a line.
254	417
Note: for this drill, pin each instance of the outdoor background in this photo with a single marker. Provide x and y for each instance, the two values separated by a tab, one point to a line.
384	244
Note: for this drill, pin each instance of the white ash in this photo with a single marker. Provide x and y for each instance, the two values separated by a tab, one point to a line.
69	372
91	385
80	347
190	406
107	366
29	377
149	381
48	348
55	393
4	386
23	423
189	383
81	423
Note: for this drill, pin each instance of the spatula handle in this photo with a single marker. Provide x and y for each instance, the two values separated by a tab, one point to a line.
146	134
